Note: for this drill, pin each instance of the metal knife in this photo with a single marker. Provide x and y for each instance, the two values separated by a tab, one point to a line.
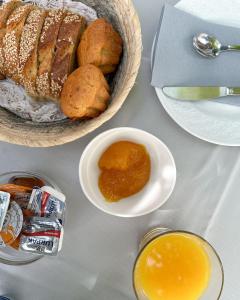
200	92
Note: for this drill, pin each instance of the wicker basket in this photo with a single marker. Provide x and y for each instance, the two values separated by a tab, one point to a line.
123	16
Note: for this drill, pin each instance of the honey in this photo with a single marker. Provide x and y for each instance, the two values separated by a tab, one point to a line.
8	235
173	267
125	170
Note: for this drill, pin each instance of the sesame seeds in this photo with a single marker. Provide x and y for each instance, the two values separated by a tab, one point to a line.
56	15
46	51
29	36
53	18
28	54
29	86
12	38
65	54
11	52
42	83
5	5
72	18
1	60
57	85
56	88
5	11
18	14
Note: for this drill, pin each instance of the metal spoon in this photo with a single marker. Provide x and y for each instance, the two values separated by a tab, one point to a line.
209	46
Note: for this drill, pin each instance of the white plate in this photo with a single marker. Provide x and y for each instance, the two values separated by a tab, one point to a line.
156	192
210	121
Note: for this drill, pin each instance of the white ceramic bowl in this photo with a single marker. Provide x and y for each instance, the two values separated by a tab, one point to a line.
155	193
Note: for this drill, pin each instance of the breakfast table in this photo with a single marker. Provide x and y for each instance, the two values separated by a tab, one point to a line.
99	250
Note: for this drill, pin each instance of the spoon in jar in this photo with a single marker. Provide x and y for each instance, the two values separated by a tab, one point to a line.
209	46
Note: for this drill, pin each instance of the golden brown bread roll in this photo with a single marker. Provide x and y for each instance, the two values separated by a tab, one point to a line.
85	93
101	46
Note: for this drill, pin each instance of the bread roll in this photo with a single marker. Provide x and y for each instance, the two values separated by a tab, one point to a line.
101	46
85	93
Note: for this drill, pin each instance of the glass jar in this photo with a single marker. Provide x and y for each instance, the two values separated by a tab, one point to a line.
9	255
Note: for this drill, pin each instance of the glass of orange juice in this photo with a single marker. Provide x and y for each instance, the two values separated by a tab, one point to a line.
177	265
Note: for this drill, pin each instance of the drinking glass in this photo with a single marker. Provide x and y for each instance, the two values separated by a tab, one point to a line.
215	285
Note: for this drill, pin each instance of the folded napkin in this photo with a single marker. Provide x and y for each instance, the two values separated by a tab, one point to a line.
176	63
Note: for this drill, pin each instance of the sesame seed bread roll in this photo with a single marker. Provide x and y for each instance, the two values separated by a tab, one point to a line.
46	50
28	55
5	11
12	38
69	36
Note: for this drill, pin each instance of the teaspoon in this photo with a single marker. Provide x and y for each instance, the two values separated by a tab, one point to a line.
209	46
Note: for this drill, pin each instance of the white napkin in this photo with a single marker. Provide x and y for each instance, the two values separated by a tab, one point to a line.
224	12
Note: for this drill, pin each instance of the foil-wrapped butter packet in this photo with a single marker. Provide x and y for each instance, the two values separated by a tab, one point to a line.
42	236
47	202
4	203
22	200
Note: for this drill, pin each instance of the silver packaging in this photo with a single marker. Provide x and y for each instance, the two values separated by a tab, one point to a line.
41	236
22	199
47	202
4	203
12	225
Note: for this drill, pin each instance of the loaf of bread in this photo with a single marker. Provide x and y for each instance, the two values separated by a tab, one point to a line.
101	46
28	55
5	12
85	93
46	51
12	38
64	62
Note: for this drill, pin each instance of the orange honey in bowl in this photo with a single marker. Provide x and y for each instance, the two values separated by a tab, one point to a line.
174	266
125	170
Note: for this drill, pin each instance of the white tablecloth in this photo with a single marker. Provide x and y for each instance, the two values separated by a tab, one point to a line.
99	250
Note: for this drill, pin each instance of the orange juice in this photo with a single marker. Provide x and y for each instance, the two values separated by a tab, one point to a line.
174	266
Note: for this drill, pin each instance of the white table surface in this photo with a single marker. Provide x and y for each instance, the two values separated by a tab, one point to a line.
99	250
